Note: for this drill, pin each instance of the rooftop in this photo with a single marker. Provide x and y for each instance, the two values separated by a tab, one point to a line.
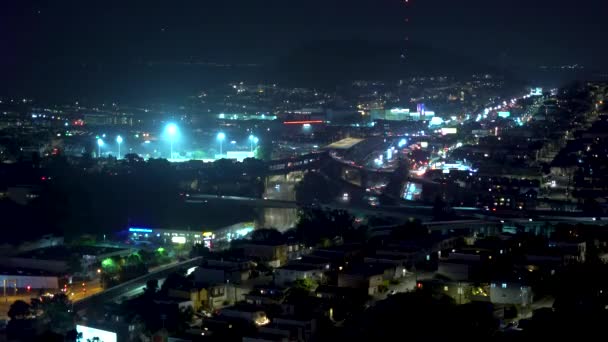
368	270
344	144
299	267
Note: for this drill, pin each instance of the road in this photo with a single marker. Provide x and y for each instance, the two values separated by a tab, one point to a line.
132	287
404	212
76	293
81	298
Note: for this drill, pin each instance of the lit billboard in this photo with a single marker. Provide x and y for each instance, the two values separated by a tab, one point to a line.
448	130
178	239
92	334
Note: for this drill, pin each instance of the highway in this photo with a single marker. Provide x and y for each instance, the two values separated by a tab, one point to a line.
409	210
131	287
404	212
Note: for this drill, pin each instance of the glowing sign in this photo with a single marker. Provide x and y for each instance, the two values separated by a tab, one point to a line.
92	334
536	92
244	231
178	239
424	144
207	234
140	230
436	121
448	130
504	114
402	142
400	111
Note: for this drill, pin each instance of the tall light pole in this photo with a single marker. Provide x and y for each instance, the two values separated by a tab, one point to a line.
251	139
118	141
99	146
221	136
171	131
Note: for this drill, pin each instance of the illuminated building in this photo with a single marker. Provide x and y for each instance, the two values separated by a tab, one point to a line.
176	236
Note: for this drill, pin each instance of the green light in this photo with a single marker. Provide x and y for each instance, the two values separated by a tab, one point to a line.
108	263
160	250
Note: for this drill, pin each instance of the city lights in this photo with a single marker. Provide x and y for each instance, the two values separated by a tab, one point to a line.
253	140
119	142
171	131
221	136
100	144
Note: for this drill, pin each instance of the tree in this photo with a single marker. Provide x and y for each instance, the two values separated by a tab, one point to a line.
185	316
57	313
110	266
315	188
315	225
198	250
410	230
305	284
441	210
175	280
19	310
264	150
270	235
397	178
132	158
75	264
151	287
592	207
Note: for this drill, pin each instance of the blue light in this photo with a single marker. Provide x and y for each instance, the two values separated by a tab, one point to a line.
140	230
402	142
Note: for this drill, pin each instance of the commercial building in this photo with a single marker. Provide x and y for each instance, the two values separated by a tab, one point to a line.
27	279
161	236
401	114
369	277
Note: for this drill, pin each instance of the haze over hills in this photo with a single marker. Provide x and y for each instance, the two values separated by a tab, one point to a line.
321	64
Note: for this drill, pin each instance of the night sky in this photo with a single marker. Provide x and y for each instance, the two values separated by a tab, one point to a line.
530	33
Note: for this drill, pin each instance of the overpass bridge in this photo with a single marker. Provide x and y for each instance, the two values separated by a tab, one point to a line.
132	286
406	211
303	162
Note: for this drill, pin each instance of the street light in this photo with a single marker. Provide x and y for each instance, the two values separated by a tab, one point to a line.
118	141
221	136
171	132
99	146
252	140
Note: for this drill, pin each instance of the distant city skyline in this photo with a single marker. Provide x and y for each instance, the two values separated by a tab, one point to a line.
56	44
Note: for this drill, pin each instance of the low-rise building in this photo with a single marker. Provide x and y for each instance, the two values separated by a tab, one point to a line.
220	274
283	276
276	254
210	297
365	276
513	293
